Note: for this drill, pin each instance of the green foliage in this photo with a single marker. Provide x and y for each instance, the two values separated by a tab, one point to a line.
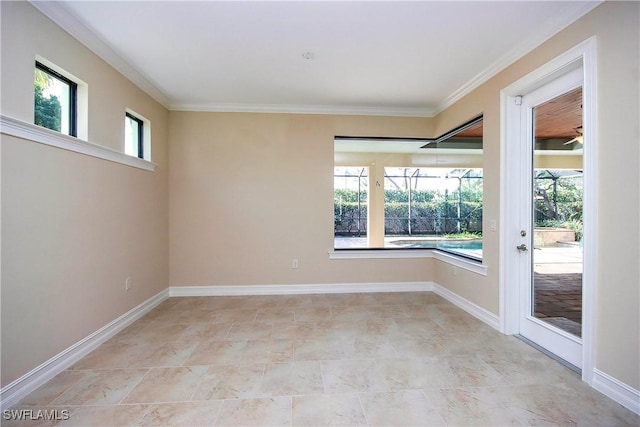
567	205
47	111
431	212
349	196
349	217
402	196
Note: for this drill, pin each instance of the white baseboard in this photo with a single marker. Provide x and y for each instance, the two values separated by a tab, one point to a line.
468	306
620	392
332	288
14	392
20	388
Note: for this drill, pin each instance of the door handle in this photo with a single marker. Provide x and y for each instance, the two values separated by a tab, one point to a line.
522	248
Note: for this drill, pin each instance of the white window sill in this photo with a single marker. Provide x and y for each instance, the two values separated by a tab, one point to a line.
31	132
461	262
380	253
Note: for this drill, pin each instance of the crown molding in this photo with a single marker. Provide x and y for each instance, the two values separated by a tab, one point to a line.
551	28
56	11
59	14
304	109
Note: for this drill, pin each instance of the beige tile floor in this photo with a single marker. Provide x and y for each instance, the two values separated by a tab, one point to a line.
355	359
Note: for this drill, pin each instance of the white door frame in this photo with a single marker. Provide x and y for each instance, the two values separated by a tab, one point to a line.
510	130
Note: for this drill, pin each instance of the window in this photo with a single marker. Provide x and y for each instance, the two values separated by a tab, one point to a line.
137	135
55	101
392	193
133	136
434	208
350	206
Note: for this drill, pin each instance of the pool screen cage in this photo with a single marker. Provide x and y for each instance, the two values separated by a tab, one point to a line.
557	196
417	202
350	201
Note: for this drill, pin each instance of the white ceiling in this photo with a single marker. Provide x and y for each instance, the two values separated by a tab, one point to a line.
387	57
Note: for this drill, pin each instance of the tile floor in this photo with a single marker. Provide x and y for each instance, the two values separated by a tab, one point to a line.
350	359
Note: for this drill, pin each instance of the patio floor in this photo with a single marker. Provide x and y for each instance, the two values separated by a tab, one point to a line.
558	287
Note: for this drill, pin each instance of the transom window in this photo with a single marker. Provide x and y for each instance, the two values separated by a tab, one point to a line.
55	101
137	135
133	136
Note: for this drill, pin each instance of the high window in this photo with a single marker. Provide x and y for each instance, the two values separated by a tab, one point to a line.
133	136
55	101
137	135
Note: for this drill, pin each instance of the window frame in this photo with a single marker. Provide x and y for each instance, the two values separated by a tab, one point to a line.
73	96
141	130
429	143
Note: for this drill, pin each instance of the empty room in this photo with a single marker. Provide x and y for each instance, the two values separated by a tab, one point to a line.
320	213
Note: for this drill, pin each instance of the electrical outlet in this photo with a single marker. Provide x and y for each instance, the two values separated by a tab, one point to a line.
294	263
128	283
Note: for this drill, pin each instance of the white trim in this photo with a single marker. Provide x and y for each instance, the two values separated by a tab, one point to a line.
473	309
330	288
473	266
34	133
58	13
553	27
625	395
32	380
466	264
304	109
590	207
381	254
509	297
510	130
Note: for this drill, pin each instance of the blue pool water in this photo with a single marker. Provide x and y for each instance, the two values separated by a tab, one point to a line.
462	244
467	244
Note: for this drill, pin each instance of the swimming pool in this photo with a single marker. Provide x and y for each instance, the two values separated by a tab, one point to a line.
470	248
451	244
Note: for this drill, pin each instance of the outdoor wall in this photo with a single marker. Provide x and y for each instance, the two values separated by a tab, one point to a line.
73	226
616	27
251	192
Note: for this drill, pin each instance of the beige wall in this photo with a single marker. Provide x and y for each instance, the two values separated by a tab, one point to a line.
616	27
251	192
220	163
73	226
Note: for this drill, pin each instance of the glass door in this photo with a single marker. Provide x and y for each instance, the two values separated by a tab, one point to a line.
551	217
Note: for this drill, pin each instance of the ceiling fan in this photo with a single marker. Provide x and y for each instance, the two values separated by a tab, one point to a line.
578	138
